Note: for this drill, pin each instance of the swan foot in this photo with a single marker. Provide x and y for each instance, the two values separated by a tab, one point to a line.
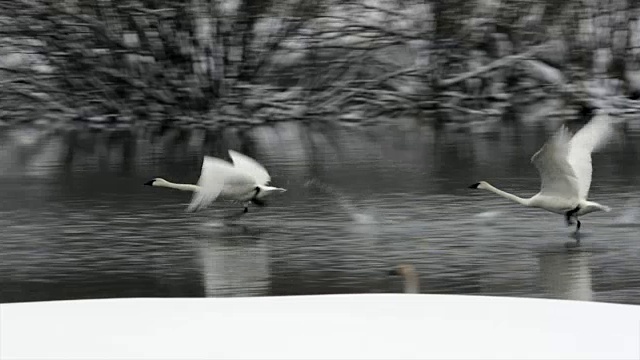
234	216
258	202
572	245
576	234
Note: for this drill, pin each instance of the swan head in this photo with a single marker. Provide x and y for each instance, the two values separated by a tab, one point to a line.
157	182
403	270
264	190
479	185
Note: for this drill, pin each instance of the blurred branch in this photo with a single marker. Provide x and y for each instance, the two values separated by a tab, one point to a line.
275	42
355	25
492	66
167	59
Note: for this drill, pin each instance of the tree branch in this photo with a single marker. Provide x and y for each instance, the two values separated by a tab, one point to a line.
492	66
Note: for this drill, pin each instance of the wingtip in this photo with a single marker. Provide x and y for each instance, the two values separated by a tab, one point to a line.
562	130
193	207
236	154
207	160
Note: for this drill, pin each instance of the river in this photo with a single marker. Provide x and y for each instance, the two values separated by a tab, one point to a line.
78	223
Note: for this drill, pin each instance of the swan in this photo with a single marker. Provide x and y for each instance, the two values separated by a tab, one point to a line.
410	276
245	181
564	164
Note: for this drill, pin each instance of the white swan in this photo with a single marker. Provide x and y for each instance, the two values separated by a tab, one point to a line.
245	180
564	164
410	276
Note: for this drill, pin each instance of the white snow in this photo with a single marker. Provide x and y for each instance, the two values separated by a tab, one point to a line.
371	326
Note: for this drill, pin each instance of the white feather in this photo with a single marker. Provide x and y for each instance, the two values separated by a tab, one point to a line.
564	165
244	180
250	167
591	137
211	181
556	174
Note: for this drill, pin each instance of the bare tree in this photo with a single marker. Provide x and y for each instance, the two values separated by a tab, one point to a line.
216	62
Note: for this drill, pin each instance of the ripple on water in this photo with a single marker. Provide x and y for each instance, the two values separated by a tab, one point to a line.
98	232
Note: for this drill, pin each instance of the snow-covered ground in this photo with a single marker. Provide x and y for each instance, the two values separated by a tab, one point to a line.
371	326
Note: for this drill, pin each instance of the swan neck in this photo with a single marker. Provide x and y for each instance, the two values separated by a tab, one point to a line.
507	195
183	187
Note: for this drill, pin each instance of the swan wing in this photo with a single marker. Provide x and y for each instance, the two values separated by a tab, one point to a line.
211	181
250	167
592	136
556	174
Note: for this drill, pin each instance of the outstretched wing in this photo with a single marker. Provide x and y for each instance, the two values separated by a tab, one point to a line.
250	167
210	183
592	136
556	174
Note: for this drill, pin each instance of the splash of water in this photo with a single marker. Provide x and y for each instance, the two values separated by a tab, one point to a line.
630	212
357	215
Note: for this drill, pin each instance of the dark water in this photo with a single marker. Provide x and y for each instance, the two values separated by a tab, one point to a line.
76	221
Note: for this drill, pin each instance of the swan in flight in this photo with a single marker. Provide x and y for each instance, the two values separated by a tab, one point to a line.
410	276
564	164
245	180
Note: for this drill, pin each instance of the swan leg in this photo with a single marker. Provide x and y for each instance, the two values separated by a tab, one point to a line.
569	214
246	207
568	218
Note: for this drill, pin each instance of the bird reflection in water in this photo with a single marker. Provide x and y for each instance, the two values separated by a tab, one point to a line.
566	274
235	263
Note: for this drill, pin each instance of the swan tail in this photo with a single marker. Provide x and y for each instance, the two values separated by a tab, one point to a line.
594	206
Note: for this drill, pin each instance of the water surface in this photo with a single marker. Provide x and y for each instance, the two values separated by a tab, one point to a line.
78	223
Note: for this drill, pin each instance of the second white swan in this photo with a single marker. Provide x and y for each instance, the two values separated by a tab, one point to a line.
245	180
564	164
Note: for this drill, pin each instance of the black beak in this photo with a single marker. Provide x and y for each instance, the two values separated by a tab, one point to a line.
149	183
393	272
474	186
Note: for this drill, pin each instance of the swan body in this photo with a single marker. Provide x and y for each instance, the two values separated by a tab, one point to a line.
245	181
564	165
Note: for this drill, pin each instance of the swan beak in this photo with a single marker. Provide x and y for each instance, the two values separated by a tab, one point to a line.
474	186
149	183
393	272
